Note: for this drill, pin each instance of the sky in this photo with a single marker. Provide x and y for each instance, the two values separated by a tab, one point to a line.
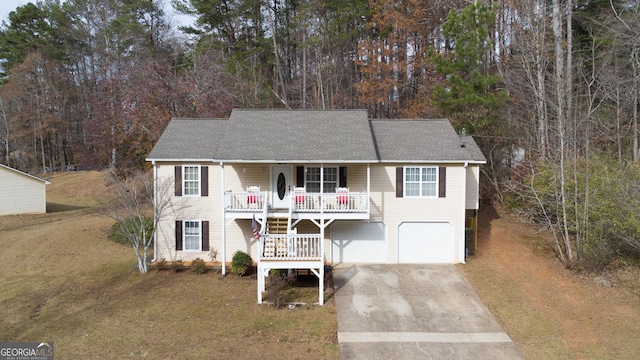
7	6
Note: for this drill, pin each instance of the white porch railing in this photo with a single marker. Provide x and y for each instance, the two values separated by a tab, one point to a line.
290	247
353	202
245	201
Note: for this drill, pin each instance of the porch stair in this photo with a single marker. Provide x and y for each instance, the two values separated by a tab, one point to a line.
277	225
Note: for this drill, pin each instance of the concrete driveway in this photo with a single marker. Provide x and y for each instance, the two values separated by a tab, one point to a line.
397	311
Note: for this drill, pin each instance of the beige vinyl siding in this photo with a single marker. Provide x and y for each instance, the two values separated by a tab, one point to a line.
393	211
237	177
356	177
385	207
21	194
473	177
205	208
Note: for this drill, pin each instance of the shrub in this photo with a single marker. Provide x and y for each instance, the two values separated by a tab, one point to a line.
240	263
133	226
213	255
275	292
162	265
277	272
198	266
177	266
595	254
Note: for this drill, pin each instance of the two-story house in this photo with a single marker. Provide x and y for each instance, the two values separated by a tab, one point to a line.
319	186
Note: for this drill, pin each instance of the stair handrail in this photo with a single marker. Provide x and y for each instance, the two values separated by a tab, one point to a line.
265	211
291	205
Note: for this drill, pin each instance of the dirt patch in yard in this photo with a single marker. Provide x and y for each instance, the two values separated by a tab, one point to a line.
551	312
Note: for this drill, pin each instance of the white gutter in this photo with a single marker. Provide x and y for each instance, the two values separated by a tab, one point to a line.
266	161
290	161
224	225
432	162
155	216
179	160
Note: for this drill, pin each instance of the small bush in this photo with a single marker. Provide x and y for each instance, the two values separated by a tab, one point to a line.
213	255
277	272
132	226
198	266
177	266
275	292
596	252
162	265
240	263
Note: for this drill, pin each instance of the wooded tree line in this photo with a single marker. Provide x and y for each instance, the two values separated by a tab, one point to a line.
549	88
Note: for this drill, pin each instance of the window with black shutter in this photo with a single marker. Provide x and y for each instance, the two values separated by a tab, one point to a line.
178	235
300	176
399	182
421	181
204	181
342	178
205	236
178	180
442	182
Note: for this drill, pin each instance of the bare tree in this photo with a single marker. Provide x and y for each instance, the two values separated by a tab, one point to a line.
137	205
6	132
628	18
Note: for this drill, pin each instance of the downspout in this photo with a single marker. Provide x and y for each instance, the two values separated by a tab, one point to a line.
464	213
155	211
369	190
224	224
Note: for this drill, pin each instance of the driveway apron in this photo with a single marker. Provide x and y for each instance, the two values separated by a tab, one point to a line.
401	311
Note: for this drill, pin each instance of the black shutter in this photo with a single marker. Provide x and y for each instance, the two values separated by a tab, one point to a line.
300	176
178	179
178	235
342	182
204	181
205	236
442	182
399	182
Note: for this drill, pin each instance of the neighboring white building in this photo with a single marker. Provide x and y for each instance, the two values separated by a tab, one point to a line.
324	186
21	193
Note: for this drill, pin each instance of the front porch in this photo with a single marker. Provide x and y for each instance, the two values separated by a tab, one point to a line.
301	203
291	251
291	247
312	193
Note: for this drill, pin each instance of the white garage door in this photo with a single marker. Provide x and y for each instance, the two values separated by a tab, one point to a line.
354	241
425	242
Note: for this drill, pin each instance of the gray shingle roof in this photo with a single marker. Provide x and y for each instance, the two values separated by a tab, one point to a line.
305	135
313	136
195	139
420	139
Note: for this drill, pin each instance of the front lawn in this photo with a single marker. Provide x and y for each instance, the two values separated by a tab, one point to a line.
64	281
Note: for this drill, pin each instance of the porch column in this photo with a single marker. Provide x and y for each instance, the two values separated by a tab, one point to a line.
321	188
321	284
261	283
321	270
